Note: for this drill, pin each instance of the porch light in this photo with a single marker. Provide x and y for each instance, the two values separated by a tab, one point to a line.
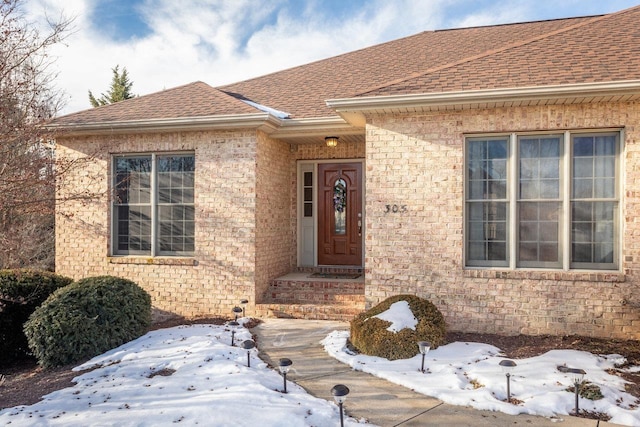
576	375
331	141
285	365
339	392
236	311
243	302
507	367
424	347
233	325
248	345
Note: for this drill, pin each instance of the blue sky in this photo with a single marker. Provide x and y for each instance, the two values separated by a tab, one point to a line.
167	43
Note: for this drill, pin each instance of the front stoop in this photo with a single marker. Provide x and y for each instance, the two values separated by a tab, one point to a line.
299	296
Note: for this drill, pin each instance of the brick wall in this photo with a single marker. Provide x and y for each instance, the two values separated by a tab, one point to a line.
275	255
222	270
415	162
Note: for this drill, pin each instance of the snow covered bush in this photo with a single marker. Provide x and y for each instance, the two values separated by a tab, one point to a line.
393	328
87	318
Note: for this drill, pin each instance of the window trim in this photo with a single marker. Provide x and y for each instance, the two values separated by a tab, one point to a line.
566	199
153	203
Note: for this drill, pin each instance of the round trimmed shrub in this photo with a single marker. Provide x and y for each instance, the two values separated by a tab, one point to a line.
370	336
87	318
21	292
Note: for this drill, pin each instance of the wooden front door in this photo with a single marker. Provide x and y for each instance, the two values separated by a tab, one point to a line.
340	218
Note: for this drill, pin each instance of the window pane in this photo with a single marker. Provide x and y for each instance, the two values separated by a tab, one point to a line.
592	232
133	228
132	213
487	231
340	206
487	169
538	244
134	216
594	167
539	168
175	197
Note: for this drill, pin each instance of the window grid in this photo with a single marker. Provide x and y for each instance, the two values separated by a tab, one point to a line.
565	201
154	210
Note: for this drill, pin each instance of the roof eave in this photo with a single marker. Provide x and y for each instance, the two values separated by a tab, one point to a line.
262	121
353	109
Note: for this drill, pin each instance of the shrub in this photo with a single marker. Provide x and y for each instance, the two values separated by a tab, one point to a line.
21	292
370	336
87	318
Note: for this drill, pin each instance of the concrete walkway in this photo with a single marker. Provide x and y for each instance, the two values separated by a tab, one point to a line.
376	400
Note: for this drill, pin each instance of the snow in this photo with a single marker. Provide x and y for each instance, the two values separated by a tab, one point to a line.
189	375
468	374
400	316
192	375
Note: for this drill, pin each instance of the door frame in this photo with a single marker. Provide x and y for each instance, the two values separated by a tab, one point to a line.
307	228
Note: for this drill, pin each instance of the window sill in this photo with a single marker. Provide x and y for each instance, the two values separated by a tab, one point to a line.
581	276
152	260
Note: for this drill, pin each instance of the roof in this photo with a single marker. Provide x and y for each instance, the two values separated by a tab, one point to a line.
561	52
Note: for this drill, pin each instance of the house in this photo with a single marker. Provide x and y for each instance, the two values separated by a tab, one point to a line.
493	170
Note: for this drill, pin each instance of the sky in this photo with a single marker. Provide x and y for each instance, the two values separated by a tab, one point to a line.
168	43
192	375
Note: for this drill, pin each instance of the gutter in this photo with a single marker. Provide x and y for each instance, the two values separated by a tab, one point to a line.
352	108
262	121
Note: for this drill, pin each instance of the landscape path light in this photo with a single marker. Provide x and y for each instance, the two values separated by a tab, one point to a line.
233	325
576	375
339	392
248	345
236	311
243	302
424	347
507	368
285	365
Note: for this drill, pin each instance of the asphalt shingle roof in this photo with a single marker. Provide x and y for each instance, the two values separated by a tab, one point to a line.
554	52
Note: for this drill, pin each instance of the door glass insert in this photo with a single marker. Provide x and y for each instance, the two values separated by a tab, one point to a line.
340	206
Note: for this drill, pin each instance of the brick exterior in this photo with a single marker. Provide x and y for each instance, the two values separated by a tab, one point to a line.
246	222
416	162
223	268
275	255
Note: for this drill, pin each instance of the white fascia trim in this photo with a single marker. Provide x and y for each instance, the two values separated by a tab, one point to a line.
580	90
262	121
315	126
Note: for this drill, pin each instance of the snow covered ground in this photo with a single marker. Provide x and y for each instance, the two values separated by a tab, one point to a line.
191	375
186	375
464	373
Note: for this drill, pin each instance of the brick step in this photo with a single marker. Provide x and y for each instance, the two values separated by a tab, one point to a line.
310	311
297	295
331	269
316	292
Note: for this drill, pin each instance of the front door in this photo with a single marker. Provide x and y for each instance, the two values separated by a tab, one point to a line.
340	214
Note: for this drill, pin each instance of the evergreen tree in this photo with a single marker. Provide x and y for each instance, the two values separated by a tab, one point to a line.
119	91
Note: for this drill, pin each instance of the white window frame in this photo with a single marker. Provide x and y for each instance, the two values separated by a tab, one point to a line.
154	204
565	231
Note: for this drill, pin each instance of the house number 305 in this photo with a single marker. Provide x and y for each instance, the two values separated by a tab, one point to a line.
395	208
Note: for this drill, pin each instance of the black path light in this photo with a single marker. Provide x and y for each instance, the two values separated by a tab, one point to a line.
233	325
236	311
424	347
507	368
248	345
285	365
339	392
243	302
576	375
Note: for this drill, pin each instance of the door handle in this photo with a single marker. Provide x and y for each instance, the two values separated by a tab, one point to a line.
359	228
